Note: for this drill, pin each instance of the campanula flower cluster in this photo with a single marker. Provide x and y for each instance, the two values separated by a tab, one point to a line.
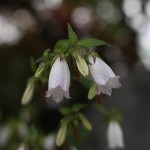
101	74
72	58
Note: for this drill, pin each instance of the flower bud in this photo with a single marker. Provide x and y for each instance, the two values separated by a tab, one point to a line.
61	135
28	93
81	64
92	91
84	121
115	135
40	70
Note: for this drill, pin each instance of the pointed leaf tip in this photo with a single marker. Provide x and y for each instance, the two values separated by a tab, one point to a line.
91	42
72	35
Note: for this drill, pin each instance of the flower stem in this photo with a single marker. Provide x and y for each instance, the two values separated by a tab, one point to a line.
77	138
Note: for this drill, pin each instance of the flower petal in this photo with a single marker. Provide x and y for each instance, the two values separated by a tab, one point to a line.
49	93
65	80
56	74
57	94
66	94
114	82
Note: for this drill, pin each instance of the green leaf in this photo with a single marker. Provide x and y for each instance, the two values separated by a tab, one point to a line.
92	91
72	35
91	42
61	135
78	106
61	46
84	121
65	111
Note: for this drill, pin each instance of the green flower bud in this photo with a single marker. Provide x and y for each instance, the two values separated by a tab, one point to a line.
40	69
81	64
28	93
61	135
85	122
92	91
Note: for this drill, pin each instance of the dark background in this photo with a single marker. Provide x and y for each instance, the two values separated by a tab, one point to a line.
27	28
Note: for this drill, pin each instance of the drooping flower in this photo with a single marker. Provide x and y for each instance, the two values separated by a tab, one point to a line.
59	80
103	76
115	135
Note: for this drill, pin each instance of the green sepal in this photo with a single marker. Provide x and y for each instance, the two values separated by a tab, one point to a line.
92	91
61	46
72	35
91	42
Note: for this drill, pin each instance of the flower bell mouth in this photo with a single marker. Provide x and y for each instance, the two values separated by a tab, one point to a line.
103	76
59	80
57	94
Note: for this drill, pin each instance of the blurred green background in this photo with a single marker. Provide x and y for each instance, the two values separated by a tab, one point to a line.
28	27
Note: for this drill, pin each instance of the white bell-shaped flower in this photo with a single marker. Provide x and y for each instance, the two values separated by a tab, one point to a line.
59	80
115	135
103	76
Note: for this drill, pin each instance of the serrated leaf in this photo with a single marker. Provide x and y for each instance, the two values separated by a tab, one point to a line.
84	121
92	91
72	35
81	64
40	69
61	46
61	135
65	111
77	107
91	42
